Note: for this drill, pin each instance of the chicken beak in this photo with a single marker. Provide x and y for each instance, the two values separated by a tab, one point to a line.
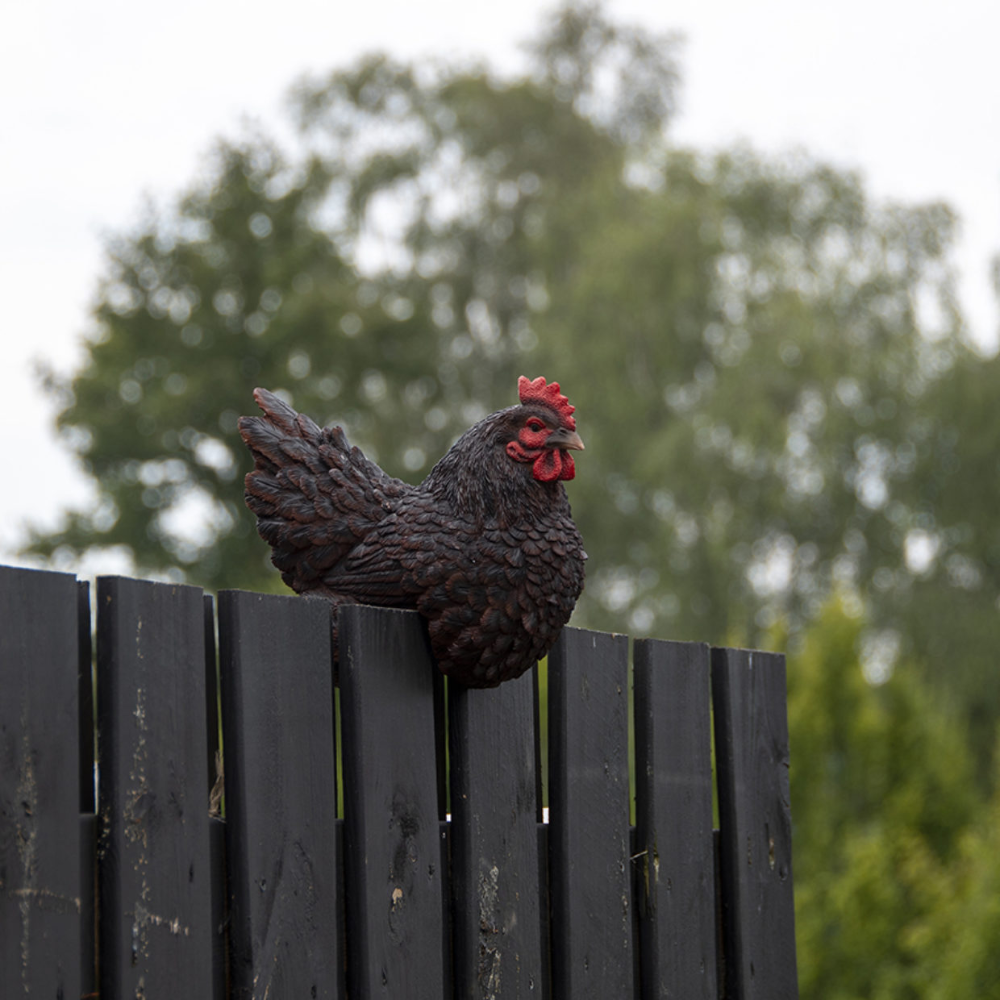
565	439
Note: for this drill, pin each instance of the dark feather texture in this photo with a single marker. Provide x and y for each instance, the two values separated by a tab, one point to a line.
484	548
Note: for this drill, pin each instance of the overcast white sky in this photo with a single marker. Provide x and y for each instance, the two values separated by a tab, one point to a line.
104	103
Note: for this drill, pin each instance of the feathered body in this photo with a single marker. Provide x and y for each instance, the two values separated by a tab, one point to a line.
485	548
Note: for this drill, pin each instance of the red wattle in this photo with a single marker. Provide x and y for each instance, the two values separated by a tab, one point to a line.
552	465
547	466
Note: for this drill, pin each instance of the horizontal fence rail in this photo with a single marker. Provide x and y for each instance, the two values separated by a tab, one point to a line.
385	836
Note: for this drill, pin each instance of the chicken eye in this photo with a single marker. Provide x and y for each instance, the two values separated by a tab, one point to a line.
534	424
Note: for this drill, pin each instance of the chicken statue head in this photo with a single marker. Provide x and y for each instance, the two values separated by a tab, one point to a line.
548	431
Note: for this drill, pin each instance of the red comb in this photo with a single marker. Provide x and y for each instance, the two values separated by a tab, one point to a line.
538	392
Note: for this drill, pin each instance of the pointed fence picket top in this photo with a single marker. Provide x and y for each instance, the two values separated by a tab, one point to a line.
223	869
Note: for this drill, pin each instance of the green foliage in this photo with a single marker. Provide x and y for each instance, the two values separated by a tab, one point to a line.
896	863
964	931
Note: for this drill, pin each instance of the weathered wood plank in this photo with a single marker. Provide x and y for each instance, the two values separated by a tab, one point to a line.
751	748
589	871
392	851
39	785
154	869
280	779
674	852
495	864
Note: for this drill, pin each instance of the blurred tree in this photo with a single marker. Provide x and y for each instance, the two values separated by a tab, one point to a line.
786	405
195	310
769	370
964	929
884	806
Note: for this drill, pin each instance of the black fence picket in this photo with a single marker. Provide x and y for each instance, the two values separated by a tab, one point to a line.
674	850
263	891
153	861
392	852
40	950
590	874
751	748
281	795
494	841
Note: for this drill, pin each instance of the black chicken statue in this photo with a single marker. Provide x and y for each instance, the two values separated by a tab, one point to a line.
485	548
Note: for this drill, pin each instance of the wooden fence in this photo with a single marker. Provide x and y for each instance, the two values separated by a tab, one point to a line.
428	872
